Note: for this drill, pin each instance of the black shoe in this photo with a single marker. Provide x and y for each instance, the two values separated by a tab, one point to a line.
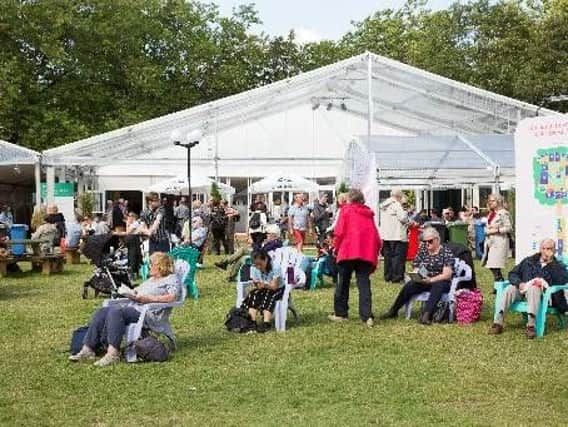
221	264
264	327
389	315
425	319
230	279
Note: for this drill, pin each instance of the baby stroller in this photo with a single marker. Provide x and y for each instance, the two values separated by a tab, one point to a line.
111	266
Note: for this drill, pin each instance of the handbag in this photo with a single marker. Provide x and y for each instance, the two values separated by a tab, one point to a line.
441	312
151	349
238	320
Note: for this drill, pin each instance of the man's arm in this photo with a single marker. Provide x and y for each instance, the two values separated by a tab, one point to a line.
515	275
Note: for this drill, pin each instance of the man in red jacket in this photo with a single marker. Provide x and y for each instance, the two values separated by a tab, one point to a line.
357	243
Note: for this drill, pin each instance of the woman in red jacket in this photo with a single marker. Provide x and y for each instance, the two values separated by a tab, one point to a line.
357	244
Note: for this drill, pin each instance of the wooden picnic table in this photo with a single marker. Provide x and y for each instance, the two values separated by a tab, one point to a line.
47	264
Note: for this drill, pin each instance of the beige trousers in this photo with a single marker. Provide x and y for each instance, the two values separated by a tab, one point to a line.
512	294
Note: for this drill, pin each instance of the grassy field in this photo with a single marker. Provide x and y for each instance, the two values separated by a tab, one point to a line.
317	373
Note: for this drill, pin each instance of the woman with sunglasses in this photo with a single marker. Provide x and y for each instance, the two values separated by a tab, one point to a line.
435	261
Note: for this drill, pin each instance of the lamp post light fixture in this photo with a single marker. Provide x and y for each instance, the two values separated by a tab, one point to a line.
192	140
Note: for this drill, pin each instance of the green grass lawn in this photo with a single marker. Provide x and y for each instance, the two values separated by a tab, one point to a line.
317	373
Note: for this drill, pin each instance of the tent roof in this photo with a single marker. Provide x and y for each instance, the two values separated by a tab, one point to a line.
12	154
436	159
405	99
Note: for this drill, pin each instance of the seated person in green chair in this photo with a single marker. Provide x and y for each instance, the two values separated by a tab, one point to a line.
270	244
529	280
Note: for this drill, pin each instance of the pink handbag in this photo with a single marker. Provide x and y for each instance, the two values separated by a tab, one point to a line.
469	303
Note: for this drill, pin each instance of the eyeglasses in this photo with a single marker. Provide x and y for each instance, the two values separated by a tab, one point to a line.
429	241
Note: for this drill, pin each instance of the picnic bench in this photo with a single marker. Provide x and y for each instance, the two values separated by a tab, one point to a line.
46	263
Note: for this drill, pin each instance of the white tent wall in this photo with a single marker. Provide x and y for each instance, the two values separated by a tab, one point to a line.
301	141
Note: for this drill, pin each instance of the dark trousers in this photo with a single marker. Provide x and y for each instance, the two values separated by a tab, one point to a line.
108	325
362	271
497	275
218	239
436	289
394	253
257	239
159	246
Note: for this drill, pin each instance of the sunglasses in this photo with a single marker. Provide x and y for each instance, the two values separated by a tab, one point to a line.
428	241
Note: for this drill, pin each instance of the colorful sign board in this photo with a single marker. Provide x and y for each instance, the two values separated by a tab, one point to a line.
541	163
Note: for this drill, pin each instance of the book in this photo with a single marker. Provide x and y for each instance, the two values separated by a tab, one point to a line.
125	291
416	277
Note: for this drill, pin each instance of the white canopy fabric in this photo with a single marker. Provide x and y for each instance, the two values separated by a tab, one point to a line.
179	186
432	159
12	154
286	183
308	117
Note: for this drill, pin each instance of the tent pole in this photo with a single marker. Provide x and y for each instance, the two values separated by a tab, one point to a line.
216	150
37	172
369	95
50	186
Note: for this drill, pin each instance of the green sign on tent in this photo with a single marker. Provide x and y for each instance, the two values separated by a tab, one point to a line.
62	189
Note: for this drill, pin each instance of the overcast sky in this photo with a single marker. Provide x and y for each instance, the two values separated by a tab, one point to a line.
314	20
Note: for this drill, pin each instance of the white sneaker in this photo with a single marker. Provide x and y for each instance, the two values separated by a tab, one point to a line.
82	355
370	322
107	360
335	318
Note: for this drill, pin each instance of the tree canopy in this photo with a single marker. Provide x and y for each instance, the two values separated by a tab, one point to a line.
75	68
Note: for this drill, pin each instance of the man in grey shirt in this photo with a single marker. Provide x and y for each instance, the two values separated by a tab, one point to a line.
298	221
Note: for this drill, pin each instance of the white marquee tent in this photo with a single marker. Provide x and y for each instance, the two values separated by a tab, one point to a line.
301	125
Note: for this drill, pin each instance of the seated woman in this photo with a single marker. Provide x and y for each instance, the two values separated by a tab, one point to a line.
268	288
436	261
327	251
47	233
108	324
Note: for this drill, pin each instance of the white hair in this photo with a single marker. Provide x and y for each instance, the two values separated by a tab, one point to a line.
430	233
396	193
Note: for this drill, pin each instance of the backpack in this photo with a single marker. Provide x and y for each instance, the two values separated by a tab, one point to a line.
254	222
218	219
77	338
441	312
238	320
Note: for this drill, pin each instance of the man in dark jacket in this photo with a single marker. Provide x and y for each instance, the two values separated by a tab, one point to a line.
529	280
322	217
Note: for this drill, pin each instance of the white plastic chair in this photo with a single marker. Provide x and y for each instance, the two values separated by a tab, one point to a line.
462	272
283	257
134	330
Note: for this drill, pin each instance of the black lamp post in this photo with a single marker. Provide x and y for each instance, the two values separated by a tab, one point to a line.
192	140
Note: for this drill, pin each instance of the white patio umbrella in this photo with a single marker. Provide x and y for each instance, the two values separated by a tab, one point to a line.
284	183
178	186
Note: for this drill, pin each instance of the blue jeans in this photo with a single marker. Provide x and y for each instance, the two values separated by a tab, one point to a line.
108	326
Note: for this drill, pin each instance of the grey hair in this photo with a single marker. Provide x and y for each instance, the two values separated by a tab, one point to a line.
430	233
498	198
548	240
396	193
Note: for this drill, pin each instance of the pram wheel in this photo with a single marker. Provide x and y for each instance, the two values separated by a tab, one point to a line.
85	290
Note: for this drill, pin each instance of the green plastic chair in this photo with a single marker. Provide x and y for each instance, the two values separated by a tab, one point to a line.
522	306
190	255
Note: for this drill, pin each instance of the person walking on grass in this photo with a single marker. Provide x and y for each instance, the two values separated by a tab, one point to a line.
299	221
394	229
357	244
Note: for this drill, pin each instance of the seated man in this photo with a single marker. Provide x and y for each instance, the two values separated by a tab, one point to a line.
529	280
198	235
269	245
